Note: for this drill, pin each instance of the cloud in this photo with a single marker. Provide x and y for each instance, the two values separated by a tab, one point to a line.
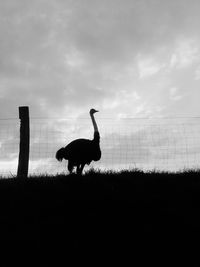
173	94
57	54
186	53
148	67
197	73
126	58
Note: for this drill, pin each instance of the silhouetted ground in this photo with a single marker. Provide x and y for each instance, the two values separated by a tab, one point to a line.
150	218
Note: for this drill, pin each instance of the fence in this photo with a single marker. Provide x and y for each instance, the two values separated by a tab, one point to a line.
162	144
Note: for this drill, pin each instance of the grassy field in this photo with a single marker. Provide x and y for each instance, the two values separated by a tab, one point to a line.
131	212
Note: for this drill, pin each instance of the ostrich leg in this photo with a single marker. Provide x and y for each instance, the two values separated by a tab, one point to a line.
80	168
70	167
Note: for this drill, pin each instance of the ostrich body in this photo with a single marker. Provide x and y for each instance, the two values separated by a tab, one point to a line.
81	151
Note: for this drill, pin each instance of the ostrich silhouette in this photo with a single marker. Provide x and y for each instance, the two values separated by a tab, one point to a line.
81	151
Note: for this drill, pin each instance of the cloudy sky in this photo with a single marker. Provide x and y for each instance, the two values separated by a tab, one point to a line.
129	58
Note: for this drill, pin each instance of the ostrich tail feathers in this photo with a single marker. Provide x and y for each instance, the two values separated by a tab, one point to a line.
60	154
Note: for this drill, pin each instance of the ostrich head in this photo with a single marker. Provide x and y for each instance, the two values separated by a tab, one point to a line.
92	111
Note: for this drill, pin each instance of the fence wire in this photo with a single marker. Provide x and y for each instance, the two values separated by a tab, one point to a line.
9	146
147	144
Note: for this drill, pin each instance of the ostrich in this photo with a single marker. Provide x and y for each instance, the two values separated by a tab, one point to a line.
81	151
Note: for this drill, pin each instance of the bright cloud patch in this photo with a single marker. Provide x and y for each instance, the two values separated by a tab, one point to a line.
186	53
174	94
148	67
197	73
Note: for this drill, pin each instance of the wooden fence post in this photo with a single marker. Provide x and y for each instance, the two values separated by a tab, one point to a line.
23	160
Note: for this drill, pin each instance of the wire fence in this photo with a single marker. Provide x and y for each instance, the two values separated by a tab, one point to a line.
171	144
9	146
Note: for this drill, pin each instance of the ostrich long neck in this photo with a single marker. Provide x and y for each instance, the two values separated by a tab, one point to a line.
94	123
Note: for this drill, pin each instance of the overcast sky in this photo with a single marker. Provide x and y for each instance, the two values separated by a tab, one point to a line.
129	58
126	58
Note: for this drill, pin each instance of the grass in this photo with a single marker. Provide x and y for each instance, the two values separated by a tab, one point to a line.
126	211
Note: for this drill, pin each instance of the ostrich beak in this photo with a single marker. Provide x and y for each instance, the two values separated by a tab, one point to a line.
93	111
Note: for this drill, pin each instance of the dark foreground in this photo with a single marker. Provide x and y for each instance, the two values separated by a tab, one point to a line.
143	218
